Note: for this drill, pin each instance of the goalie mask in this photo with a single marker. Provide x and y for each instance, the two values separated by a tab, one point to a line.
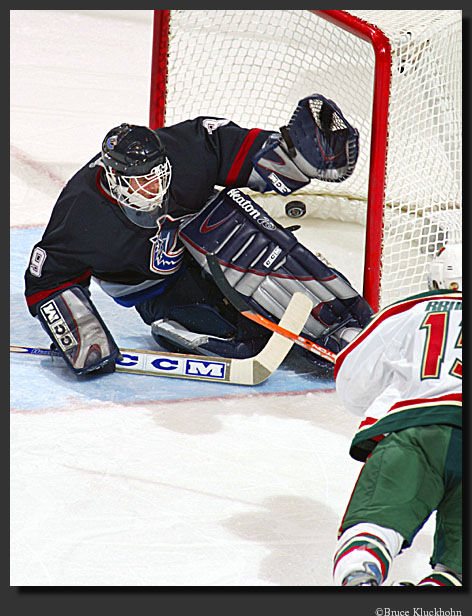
446	269
137	171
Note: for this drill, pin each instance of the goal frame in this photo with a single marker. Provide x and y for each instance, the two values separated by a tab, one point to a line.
379	123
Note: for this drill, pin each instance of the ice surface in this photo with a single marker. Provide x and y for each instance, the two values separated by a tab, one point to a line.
145	481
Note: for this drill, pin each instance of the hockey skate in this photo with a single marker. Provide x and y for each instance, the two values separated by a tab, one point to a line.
369	576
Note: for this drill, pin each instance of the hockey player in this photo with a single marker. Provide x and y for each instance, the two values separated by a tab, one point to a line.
404	374
132	216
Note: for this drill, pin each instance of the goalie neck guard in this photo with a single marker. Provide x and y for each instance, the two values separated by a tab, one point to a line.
137	171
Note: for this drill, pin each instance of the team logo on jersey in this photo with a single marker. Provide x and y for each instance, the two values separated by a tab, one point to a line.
166	258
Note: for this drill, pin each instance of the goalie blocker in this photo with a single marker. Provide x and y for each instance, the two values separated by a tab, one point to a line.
266	264
78	332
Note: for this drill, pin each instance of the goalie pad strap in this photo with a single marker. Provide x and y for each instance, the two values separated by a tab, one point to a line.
266	264
77	330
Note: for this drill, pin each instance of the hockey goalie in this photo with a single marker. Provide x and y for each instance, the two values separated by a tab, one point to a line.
141	216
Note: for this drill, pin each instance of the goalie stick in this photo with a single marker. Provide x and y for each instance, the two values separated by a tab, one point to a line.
249	371
245	309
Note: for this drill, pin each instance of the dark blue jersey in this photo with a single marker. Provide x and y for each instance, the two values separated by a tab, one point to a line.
89	234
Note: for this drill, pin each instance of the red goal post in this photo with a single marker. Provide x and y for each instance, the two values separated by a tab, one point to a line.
401	43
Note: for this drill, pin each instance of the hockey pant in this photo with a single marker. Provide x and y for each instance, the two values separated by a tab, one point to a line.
410	474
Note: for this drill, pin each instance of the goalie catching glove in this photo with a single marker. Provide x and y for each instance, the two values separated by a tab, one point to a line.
318	143
78	332
266	264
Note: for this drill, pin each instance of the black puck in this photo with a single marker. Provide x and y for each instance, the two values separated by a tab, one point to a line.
295	209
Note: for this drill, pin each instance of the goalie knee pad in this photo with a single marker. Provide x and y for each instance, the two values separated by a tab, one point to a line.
267	265
77	330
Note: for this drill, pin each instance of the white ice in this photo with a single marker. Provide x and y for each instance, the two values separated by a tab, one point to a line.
142	481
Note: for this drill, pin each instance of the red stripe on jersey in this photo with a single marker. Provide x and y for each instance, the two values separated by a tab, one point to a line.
384	314
416	402
368	421
241	156
40	295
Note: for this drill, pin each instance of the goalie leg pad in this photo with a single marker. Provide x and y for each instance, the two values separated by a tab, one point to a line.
267	265
77	330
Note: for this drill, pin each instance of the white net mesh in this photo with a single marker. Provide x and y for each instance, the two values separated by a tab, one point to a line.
254	66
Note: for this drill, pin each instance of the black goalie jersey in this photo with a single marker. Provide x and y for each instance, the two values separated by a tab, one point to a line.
90	235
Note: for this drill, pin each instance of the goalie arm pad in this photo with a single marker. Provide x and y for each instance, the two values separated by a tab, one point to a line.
318	143
77	331
267	265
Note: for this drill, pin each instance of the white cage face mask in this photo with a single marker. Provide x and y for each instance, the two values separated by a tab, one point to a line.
141	192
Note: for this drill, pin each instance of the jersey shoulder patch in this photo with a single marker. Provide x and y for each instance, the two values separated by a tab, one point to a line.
212	124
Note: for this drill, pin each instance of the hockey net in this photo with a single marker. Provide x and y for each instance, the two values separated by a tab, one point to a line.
395	74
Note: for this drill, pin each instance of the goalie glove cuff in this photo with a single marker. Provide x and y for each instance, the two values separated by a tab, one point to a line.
278	169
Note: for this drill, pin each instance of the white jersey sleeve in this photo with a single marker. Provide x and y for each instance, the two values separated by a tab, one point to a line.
409	352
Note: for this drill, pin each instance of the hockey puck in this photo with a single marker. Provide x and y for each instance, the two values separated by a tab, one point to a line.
295	209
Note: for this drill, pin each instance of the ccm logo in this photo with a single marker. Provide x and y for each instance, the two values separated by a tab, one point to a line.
277	182
57	326
177	365
272	257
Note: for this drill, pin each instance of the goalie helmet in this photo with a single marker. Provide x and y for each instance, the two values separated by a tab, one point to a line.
137	170
446	269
